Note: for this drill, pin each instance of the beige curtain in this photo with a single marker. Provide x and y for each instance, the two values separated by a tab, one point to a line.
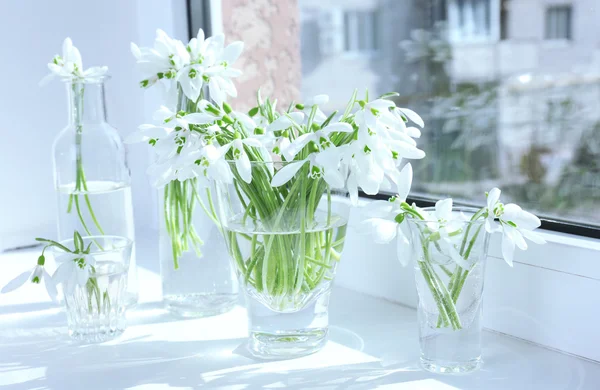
270	30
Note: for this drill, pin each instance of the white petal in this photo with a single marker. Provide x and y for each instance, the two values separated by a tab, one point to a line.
199	118
232	52
16	282
508	248
338	127
318	100
334	178
404	181
50	286
63	272
281	123
413	116
493	197
297	116
532	236
244	167
286	173
443	209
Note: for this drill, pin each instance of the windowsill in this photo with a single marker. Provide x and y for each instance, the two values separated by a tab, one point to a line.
372	343
542	298
556	43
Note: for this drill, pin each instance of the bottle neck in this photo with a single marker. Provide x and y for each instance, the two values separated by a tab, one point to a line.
86	102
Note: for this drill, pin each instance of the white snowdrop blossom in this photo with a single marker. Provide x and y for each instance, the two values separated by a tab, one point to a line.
74	271
385	217
242	161
69	66
35	275
202	62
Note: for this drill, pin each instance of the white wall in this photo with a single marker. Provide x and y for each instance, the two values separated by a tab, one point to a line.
32	33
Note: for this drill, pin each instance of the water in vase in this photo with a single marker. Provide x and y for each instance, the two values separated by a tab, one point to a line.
105	208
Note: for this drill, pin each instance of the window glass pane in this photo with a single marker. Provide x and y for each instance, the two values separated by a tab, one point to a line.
514	113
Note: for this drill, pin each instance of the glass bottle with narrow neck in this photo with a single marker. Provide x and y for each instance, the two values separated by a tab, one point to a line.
91	176
197	279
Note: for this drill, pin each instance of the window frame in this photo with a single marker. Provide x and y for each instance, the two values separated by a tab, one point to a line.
549	224
564	7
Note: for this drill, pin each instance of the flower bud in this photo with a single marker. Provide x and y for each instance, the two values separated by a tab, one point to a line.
285	133
300	106
312	147
399	218
315	126
259	131
41	260
227	120
227	108
253	111
362	103
237	135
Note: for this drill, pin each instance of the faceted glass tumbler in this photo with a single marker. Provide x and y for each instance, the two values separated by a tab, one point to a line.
450	297
96	311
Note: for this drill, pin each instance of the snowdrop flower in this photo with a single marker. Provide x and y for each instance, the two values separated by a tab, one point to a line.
162	61
517	224
494	210
386	217
446	226
307	108
35	275
74	271
218	75
242	161
324	164
70	66
514	223
210	164
319	137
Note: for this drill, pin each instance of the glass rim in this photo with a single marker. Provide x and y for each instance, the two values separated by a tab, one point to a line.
83	80
465	209
127	242
259	163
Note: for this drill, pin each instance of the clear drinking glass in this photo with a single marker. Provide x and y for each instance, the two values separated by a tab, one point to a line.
285	243
450	296
91	176
96	312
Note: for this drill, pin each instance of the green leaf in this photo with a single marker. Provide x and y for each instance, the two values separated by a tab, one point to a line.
389	95
329	118
87	250
78	242
350	104
54	243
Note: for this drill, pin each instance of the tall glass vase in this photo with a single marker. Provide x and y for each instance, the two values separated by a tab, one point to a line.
449	271
285	244
197	279
91	176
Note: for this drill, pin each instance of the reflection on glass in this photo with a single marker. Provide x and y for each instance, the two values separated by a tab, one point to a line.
509	90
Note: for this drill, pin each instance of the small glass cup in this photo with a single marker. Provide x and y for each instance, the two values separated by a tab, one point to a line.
96	311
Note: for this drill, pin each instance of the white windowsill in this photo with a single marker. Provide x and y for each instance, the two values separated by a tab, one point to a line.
372	343
545	298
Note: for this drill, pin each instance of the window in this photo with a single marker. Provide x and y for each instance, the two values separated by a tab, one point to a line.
495	116
558	22
472	20
513	113
360	33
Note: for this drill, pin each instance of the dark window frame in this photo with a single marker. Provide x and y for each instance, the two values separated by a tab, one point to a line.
554	225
